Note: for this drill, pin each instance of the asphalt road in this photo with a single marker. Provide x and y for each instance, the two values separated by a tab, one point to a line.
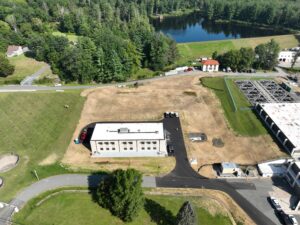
29	79
33	88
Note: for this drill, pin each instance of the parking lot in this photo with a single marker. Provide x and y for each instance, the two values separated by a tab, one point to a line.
264	188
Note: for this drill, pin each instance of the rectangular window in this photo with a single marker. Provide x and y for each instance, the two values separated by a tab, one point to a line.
101	149
100	143
143	148
149	148
131	148
124	142
154	142
142	142
125	148
112	143
113	148
154	148
106	143
130	143
107	149
148	142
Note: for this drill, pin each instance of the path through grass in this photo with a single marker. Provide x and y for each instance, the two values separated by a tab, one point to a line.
24	66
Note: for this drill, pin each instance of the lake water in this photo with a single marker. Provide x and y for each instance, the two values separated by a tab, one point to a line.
193	27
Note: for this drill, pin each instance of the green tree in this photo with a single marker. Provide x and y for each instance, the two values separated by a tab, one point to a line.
6	68
186	215
247	57
215	55
121	192
295	58
267	55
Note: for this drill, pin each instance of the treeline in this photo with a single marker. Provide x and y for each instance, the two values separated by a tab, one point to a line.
115	38
264	56
271	12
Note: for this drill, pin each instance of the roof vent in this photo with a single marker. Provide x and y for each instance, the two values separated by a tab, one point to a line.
123	130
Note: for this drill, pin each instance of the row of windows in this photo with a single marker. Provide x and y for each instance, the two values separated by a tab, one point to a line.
124	143
143	148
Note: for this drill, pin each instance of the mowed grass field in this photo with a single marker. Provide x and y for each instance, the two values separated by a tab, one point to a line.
194	50
71	37
24	66
79	209
242	119
38	128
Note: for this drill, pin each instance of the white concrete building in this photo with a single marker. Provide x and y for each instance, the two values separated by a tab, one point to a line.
283	120
14	50
129	140
229	168
210	65
273	168
293	176
287	56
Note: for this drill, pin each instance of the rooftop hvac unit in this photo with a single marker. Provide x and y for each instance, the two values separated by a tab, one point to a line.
123	130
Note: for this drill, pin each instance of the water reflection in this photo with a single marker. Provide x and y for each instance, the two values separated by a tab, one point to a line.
193	27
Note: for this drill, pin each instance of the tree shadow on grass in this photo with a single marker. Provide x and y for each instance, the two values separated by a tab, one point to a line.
159	214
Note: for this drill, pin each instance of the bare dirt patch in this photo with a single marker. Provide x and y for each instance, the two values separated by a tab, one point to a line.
216	202
8	162
199	112
52	158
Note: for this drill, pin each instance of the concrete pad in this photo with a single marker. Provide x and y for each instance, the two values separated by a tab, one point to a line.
8	162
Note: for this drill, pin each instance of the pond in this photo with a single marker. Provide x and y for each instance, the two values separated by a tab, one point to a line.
193	27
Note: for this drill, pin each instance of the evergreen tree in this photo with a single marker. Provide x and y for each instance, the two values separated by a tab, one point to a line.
122	193
186	215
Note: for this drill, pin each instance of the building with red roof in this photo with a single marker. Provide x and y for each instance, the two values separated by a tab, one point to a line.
210	65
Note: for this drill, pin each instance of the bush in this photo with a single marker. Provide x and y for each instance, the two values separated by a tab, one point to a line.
6	68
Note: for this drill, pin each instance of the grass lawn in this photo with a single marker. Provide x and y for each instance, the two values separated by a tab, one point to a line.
71	37
79	209
36	126
24	66
194	50
243	121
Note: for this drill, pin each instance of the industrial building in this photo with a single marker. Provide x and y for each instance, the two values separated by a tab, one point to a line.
283	120
129	140
293	177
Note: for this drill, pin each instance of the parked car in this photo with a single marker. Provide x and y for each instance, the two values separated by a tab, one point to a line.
166	114
83	135
275	203
281	216
57	85
171	149
292	219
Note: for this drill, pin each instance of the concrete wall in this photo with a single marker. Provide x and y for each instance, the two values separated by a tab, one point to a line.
129	148
280	136
212	68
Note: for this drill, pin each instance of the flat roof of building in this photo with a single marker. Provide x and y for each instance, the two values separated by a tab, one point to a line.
128	131
287	117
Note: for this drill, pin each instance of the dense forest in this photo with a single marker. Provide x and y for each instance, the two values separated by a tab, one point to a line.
115	38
